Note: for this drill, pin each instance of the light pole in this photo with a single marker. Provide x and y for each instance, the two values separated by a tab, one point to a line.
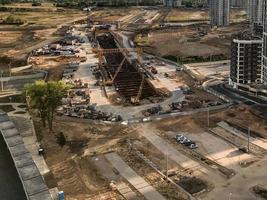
208	117
2	84
230	195
167	163
248	138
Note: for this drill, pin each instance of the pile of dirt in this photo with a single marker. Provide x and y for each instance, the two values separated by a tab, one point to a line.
260	191
192	184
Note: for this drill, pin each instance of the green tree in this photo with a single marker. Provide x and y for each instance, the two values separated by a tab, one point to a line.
46	97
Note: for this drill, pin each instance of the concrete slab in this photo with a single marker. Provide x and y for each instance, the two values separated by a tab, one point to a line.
4	117
6	125
133	178
41	196
23	160
126	192
35	185
29	172
14	141
10	132
18	150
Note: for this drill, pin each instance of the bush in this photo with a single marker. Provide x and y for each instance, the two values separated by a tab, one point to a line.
36	4
61	140
12	20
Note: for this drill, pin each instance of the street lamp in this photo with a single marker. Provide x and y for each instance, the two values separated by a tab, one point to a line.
230	195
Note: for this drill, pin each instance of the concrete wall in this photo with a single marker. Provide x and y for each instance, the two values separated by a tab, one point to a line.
33	183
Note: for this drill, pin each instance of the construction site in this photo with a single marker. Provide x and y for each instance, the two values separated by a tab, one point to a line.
147	118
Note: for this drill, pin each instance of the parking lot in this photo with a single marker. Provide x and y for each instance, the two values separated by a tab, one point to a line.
218	69
217	149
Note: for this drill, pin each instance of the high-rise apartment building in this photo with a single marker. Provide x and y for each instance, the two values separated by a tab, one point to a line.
172	3
245	59
238	3
219	11
255	11
264	48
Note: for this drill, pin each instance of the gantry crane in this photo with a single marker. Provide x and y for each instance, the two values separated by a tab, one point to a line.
101	52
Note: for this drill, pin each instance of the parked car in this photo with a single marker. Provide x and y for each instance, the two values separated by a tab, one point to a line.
181	139
178	136
185	140
193	145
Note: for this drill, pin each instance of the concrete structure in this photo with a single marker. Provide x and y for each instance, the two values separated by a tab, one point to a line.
238	3
255	11
264	51
258	29
31	179
245	59
219	11
172	3
133	178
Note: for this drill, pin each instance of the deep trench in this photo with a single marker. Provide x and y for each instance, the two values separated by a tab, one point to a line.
129	79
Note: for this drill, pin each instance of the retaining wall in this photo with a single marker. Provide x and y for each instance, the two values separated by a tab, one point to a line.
33	183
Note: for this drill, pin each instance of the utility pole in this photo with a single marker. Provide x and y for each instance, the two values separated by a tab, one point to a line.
2	84
230	195
208	117
248	138
9	68
167	164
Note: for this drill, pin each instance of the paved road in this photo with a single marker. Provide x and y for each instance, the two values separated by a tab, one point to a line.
107	171
182	160
133	178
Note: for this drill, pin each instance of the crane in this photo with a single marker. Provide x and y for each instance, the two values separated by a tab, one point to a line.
110	82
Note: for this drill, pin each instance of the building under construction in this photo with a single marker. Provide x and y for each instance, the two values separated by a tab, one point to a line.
219	11
255	11
172	3
238	3
264	51
245	60
129	79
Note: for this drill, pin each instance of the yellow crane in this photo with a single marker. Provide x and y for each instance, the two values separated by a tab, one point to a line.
100	55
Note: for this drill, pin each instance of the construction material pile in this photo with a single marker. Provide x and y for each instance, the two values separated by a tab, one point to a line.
87	112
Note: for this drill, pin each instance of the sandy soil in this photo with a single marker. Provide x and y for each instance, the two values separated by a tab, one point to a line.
53	65
185	42
179	15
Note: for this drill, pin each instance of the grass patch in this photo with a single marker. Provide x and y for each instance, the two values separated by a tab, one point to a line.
7	108
20	112
260	191
12	99
192	184
22	106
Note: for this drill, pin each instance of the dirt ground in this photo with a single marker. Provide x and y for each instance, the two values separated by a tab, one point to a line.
73	171
71	167
179	15
184	41
41	27
53	65
112	14
246	116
